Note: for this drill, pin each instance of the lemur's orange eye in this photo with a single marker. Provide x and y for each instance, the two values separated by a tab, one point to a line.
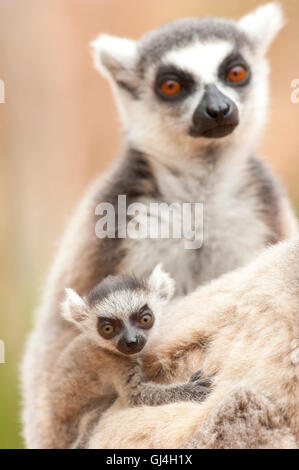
170	87
237	74
107	329
146	319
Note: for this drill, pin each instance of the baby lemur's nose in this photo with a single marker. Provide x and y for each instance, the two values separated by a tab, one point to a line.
131	345
131	342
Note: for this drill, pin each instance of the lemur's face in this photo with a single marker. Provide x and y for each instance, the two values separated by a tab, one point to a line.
193	81
200	90
124	328
119	312
122	314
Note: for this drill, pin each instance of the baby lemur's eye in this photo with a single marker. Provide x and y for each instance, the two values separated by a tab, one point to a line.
170	87
237	74
107	329
146	319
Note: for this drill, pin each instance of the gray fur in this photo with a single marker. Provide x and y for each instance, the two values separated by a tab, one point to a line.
138	392
134	178
262	185
183	32
112	284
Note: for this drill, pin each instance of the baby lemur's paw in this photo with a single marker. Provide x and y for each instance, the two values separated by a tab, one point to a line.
199	377
196	391
199	386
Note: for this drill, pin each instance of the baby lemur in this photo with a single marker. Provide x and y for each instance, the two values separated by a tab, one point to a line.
116	317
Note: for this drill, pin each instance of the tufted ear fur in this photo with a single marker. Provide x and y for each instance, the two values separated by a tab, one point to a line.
114	57
262	25
161	283
74	308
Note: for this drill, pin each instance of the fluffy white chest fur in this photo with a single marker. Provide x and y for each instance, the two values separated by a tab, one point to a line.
233	232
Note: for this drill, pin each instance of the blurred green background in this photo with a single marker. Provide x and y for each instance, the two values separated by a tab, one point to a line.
59	127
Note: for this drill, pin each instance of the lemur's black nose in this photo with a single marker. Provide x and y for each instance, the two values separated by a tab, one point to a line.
131	345
218	111
131	342
215	116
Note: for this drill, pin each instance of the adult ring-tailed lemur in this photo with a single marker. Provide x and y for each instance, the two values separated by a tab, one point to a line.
192	96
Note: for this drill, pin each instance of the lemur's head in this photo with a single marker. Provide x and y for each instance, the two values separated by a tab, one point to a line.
190	82
119	312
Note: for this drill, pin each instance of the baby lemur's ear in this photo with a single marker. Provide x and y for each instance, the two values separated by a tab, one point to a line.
74	308
262	25
161	283
114	56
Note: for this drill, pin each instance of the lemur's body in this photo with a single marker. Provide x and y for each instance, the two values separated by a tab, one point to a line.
244	196
169	158
115	319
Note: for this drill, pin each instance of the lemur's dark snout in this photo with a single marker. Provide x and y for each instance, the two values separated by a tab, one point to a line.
215	116
218	111
131	345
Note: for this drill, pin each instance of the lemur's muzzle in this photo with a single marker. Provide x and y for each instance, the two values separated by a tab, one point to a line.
131	345
216	115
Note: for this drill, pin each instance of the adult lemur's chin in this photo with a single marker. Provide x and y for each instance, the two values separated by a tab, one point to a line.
192	97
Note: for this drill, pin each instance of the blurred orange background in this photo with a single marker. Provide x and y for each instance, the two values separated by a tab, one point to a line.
59	128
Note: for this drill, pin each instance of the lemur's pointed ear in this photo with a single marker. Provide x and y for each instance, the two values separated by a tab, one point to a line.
262	25
74	308
161	283
114	56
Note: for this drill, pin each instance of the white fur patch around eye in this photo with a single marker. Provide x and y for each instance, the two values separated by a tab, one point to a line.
200	59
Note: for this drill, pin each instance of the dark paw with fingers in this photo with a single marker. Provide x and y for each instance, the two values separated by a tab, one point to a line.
197	391
199	377
196	376
200	386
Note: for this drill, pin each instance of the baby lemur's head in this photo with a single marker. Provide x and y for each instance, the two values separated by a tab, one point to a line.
119	312
192	81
